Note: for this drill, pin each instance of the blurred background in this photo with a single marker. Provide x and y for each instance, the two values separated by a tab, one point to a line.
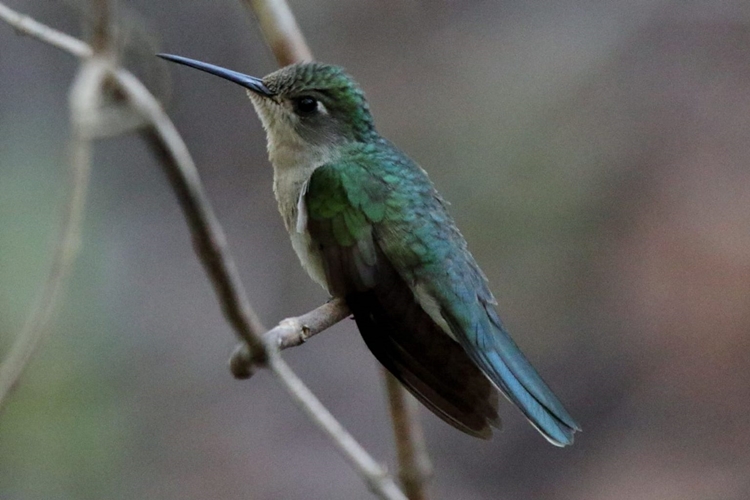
596	157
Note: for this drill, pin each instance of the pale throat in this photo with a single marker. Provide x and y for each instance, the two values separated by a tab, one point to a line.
293	163
294	160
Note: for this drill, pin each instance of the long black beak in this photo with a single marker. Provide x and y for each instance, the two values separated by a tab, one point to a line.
247	81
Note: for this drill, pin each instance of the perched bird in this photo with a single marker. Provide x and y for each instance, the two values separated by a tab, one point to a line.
369	226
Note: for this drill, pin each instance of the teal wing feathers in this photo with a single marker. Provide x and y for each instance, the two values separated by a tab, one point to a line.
420	301
345	206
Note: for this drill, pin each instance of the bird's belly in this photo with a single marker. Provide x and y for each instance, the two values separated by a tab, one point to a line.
309	256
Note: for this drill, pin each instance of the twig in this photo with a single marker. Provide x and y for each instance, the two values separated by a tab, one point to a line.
101	36
376	477
28	26
291	332
84	98
415	468
280	30
84	95
208	236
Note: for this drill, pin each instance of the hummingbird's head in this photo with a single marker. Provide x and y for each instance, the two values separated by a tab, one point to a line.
303	105
318	102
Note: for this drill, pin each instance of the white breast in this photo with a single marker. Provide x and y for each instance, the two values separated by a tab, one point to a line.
294	161
309	257
291	175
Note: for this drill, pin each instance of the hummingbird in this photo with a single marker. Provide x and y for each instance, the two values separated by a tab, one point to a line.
368	225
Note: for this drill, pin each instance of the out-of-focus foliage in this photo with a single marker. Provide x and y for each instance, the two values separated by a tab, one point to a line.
596	156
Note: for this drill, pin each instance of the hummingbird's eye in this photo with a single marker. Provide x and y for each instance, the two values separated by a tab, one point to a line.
305	105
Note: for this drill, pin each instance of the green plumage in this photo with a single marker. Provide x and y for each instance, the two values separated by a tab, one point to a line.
367	223
375	201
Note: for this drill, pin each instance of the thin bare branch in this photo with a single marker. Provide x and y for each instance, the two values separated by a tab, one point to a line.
28	26
101	38
84	97
376	476
208	236
291	332
414	467
280	30
295	331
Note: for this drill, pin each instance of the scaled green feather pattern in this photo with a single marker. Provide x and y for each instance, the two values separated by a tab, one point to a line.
374	201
